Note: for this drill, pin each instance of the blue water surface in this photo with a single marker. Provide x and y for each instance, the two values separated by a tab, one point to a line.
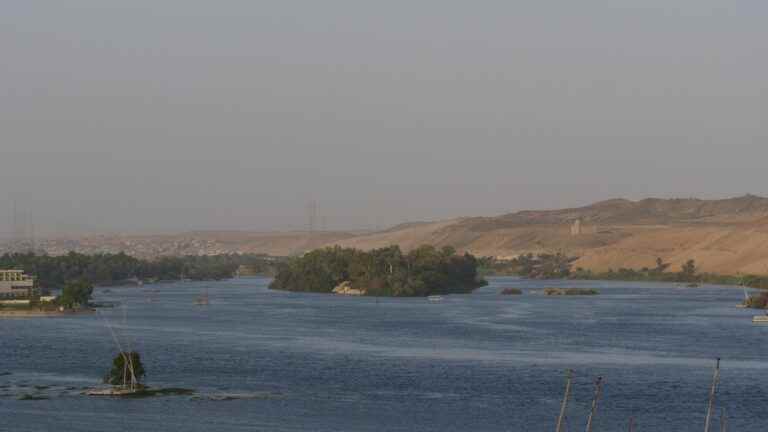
262	360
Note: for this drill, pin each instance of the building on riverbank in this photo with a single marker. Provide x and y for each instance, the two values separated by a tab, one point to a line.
14	284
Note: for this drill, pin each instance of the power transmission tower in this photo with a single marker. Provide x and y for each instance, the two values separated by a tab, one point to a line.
32	243
312	216
14	228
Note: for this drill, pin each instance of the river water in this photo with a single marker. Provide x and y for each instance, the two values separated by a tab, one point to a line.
274	361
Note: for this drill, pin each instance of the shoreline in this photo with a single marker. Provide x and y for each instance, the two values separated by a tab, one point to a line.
42	313
701	284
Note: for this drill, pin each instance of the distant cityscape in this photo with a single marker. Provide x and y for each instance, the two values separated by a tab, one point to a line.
150	247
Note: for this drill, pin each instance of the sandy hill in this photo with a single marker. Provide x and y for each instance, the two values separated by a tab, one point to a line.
724	236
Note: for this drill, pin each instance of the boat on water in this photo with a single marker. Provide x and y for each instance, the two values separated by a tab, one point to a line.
435	298
760	319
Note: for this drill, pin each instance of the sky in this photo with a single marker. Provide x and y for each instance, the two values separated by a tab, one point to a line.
173	115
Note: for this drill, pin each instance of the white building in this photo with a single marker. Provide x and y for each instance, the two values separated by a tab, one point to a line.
15	284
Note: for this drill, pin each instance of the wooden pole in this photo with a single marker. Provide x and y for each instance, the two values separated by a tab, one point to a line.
723	421
564	405
712	392
598	392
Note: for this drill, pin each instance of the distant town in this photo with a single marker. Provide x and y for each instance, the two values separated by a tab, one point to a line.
149	247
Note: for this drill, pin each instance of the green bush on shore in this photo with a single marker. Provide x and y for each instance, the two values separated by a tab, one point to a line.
108	269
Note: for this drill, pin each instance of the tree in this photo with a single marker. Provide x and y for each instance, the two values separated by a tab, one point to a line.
381	272
76	293
661	266
126	369
688	271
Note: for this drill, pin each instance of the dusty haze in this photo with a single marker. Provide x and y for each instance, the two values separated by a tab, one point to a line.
160	116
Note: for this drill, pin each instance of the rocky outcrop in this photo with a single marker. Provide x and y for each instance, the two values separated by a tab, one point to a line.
345	288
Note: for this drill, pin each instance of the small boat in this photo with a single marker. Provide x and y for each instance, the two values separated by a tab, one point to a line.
760	319
435	298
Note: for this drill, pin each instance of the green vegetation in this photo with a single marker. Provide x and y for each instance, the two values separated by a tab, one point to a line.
688	275
542	266
424	271
126	367
76	294
111	269
559	266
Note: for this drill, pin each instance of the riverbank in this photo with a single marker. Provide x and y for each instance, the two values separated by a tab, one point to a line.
561	266
37	313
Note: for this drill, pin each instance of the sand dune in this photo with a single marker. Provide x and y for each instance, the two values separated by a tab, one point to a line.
724	236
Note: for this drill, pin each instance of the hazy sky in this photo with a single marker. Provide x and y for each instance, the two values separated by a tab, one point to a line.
180	114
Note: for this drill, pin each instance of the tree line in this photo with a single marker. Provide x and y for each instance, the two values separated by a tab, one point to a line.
560	266
111	269
387	271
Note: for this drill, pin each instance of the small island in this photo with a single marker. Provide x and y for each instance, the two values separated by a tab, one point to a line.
125	380
570	291
511	291
387	272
